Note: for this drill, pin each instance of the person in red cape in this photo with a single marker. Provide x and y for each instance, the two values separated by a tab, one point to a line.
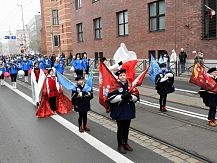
64	103
53	101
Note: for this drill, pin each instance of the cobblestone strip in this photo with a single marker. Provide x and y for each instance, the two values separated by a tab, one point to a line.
160	148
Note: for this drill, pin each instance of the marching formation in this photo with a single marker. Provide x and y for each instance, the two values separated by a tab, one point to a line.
118	84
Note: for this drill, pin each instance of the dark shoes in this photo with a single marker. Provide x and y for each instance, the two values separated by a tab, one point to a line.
127	147
81	129
121	149
124	148
163	109
86	129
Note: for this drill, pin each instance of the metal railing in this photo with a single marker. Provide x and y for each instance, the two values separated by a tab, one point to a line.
142	64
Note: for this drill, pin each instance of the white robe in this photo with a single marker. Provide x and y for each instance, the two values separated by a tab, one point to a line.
36	87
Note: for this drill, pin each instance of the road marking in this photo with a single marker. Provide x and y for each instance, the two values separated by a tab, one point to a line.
184	90
100	146
172	109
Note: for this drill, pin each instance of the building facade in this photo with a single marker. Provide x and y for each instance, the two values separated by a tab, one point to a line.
34	28
56	26
146	27
22	38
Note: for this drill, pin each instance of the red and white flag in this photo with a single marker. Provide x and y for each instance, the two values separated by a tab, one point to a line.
212	12
107	83
130	69
139	79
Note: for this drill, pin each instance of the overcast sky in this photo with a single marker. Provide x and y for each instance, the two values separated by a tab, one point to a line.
11	14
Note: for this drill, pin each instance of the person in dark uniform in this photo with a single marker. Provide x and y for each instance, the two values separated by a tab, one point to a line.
122	105
81	102
164	85
210	99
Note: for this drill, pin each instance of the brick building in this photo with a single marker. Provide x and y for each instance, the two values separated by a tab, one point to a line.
146	27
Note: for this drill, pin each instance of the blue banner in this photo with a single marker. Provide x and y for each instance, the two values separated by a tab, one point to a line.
154	69
66	83
89	83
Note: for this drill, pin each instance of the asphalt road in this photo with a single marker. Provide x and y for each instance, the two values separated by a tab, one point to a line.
184	126
25	138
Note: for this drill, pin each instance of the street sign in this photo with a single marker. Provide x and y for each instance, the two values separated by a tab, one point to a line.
10	37
13	37
7	37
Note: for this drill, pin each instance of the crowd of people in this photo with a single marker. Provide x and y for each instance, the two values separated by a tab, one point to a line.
45	71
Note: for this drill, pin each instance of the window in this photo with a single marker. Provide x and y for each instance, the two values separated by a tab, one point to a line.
97	28
77	4
56	40
80	32
209	27
151	53
157	16
122	23
55	17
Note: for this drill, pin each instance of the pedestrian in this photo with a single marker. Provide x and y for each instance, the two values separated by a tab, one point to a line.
25	68
2	71
13	70
122	104
164	85
81	102
182	59
210	99
166	59
37	80
173	58
199	58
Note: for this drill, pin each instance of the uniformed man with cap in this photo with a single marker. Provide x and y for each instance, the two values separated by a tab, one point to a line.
122	104
210	99
81	102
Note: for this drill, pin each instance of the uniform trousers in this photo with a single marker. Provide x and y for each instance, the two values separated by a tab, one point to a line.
123	131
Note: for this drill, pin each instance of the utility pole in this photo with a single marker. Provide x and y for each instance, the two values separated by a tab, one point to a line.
24	32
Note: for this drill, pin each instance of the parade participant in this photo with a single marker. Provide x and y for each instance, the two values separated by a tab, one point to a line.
81	102
52	89
78	65
53	100
37	80
85	64
210	99
2	71
60	67
53	59
41	64
13	70
25	68
122	104
164	85
47	63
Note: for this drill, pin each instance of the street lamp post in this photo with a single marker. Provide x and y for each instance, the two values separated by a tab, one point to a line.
21	6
